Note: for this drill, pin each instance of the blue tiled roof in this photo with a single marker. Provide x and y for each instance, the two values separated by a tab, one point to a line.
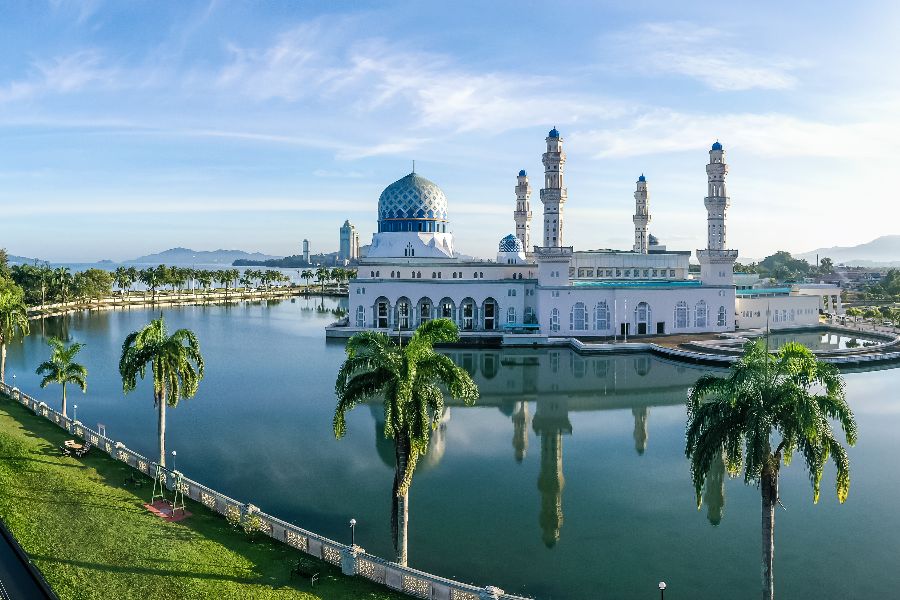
717	145
554	133
522	173
412	197
511	244
642	178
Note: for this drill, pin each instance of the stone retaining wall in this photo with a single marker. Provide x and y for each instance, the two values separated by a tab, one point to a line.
353	560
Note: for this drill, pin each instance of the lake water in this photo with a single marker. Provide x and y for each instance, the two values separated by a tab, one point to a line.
568	480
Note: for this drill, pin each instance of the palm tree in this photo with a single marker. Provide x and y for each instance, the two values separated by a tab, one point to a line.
61	369
176	364
62	282
121	277
322	276
45	273
790	394
307	274
13	320
407	380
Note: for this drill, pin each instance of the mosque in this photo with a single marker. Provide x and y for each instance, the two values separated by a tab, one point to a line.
543	288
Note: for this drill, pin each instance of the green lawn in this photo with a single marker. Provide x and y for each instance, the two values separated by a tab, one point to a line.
91	537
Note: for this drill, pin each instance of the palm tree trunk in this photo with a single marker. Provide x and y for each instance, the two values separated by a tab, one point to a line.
400	513
161	427
769	490
64	399
3	362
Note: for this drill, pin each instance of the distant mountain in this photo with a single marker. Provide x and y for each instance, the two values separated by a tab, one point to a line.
22	260
881	252
186	256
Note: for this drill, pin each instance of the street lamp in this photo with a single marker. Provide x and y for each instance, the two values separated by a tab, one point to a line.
174	454
74	412
352	532
662	590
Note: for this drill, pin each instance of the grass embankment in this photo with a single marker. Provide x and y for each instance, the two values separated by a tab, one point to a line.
92	538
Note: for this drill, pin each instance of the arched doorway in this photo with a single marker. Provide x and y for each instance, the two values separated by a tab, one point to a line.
489	310
423	310
467	315
642	317
402	314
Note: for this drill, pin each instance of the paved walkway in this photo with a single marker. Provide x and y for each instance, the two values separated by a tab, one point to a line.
19	579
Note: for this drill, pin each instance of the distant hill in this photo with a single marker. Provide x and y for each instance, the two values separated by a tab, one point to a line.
186	256
881	252
22	260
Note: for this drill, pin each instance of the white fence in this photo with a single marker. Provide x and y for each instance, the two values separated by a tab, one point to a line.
353	560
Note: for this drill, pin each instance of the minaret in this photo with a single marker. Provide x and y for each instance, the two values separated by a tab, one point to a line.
550	422
520	430
716	261
641	217
717	200
522	213
553	194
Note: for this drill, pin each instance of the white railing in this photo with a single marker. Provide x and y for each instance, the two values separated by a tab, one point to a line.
353	560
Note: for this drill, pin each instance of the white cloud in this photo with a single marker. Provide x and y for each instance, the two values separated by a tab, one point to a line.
767	135
311	64
703	54
60	75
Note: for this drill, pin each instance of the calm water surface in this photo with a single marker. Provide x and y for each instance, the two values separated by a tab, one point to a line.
567	481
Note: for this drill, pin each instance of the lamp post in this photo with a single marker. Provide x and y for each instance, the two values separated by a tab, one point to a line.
352	533
174	454
662	590
74	412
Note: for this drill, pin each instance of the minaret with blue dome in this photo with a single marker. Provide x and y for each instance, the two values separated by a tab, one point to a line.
716	260
522	214
553	194
641	217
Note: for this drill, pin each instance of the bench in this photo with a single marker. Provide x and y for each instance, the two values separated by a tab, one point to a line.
303	569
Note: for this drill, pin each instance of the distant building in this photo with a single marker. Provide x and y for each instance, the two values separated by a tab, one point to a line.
349	246
306	251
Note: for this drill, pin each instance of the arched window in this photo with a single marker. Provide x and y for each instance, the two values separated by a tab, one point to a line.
467	314
529	315
681	315
578	317
554	319
511	315
382	310
402	315
447	309
424	310
601	316
723	317
701	314
360	316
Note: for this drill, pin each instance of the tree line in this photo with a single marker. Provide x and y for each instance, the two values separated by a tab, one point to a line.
781	266
42	284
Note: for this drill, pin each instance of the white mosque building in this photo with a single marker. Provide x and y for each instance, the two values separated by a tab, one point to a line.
544	288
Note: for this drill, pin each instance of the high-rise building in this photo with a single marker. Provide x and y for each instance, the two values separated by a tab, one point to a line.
349	242
306	251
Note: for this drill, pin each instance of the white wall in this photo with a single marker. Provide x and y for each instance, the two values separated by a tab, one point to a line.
793	311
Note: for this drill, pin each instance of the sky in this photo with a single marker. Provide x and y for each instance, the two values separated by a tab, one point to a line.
131	127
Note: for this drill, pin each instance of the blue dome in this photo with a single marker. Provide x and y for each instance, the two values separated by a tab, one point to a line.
554	133
511	244
411	199
717	145
522	173
642	178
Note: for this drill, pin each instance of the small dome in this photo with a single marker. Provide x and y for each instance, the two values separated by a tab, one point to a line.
653	240
511	244
412	197
553	133
642	178
522	173
717	145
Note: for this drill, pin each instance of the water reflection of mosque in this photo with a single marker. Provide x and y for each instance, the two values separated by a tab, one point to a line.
557	382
